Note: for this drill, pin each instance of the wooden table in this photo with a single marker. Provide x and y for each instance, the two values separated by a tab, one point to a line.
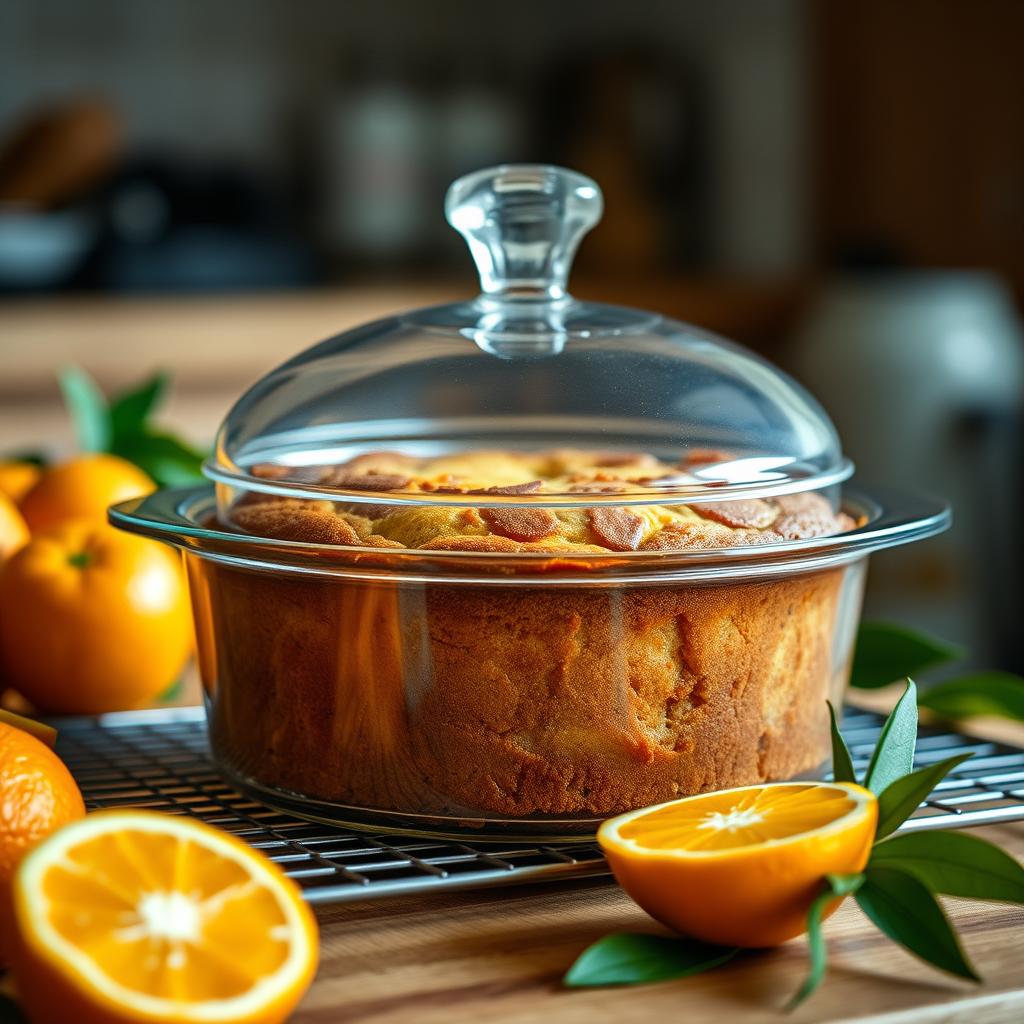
499	955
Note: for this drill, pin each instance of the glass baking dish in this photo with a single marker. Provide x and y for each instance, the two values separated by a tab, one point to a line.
443	692
517	564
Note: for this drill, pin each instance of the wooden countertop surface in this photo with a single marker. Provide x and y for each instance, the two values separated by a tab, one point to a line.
499	955
485	955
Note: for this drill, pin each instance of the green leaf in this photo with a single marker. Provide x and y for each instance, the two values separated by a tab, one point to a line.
130	409
981	693
954	863
894	752
167	459
173	692
902	907
842	763
33	458
835	886
886	652
901	798
628	958
88	409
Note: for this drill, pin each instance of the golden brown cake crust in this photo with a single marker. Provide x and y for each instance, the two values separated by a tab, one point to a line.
700	525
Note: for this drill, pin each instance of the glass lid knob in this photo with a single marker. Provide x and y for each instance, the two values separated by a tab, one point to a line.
523	224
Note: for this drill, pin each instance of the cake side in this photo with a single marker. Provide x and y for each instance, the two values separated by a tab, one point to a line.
518	701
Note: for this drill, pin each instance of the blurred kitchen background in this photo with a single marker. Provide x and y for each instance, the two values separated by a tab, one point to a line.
208	187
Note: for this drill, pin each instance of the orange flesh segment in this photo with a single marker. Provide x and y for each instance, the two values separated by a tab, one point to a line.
730	820
166	917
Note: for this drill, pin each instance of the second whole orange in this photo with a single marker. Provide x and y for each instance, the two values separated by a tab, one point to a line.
93	620
82	488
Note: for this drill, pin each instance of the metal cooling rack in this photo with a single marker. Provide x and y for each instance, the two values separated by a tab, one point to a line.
159	760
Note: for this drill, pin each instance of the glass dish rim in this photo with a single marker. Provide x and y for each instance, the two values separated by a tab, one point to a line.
172	515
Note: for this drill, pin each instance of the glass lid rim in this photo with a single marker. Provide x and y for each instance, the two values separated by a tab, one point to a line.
923	516
679	494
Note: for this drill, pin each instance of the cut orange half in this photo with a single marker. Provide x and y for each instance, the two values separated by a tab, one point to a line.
130	916
741	867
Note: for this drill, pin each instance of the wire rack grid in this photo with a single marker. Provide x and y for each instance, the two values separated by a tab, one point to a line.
159	760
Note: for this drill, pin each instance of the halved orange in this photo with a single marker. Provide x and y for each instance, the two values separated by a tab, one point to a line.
741	867
129	916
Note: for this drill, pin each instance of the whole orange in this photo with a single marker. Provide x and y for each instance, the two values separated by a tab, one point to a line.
17	477
92	619
13	531
82	488
37	796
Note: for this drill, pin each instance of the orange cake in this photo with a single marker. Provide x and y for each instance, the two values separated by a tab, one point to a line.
522	698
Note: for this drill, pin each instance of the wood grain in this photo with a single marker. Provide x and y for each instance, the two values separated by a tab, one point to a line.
499	955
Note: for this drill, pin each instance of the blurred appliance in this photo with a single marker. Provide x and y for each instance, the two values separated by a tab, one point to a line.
376	145
923	373
176	225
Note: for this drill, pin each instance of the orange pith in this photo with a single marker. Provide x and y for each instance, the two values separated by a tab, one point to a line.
135	916
741	867
729	820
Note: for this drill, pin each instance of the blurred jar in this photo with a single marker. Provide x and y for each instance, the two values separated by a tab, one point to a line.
923	374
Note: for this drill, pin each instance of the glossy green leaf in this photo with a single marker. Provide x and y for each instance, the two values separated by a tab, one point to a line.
901	906
88	409
130	409
842	763
835	886
167	459
32	457
628	958
901	798
954	864
894	752
981	693
173	692
886	652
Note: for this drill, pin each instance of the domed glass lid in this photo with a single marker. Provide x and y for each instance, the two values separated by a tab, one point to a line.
666	412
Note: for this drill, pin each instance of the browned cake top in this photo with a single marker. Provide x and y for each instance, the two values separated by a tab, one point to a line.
600	529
